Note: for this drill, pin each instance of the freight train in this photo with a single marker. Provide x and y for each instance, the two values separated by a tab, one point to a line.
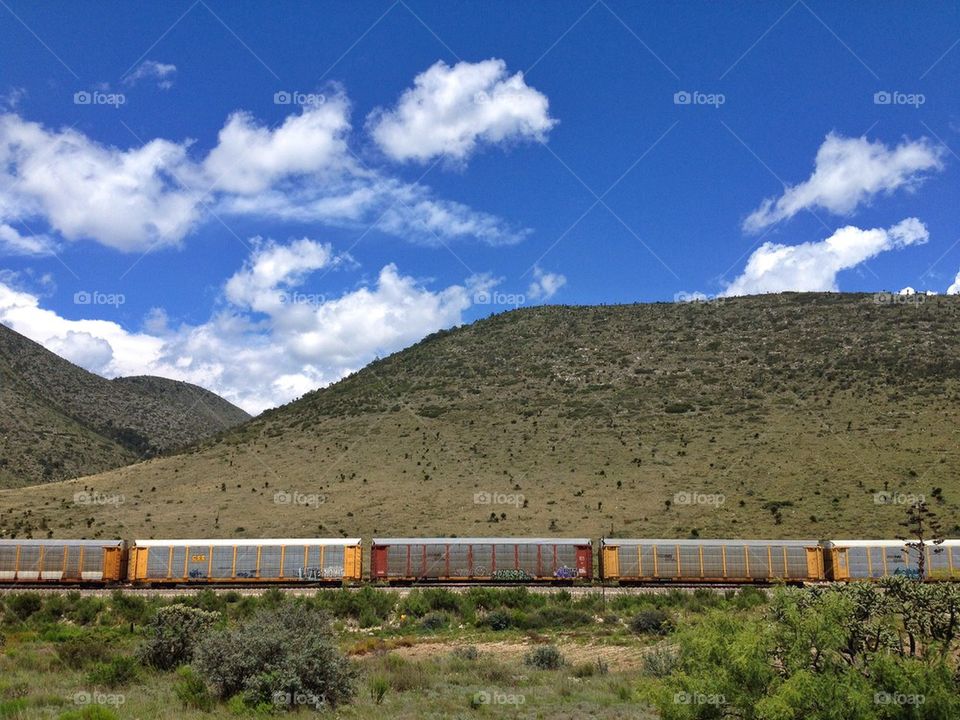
487	560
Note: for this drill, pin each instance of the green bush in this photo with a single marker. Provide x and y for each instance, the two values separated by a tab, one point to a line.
191	690
78	652
129	608
278	653
414	604
496	620
23	605
115	672
651	622
174	634
441	599
545	657
660	661
85	610
372	605
846	652
435	621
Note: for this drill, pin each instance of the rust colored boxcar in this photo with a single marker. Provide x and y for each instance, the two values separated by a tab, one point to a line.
287	560
62	561
751	561
481	559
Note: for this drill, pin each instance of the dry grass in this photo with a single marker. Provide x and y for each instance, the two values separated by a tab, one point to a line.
796	408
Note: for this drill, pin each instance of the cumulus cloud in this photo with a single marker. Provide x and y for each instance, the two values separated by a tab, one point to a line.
249	157
83	349
849	172
450	110
125	199
813	266
156	194
954	289
162	73
545	284
272	269
306	340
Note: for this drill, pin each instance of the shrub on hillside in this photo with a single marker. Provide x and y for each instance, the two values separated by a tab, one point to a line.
174	634
191	690
435	621
651	622
78	652
287	653
545	657
115	672
23	605
496	620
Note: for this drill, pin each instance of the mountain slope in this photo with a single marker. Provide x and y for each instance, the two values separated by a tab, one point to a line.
763	416
60	421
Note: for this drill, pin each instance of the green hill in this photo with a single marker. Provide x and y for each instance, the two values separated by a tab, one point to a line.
59	421
784	415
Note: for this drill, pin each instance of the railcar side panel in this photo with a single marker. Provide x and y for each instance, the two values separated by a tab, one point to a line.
62	561
635	560
481	559
253	561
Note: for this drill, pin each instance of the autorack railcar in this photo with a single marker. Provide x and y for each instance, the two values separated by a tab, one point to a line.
710	561
62	561
286	560
875	559
481	559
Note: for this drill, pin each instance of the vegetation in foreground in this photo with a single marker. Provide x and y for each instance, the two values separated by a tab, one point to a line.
857	652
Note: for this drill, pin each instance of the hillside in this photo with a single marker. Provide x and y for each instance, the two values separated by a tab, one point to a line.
60	421
796	409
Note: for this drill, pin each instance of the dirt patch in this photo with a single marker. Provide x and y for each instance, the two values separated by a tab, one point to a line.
617	658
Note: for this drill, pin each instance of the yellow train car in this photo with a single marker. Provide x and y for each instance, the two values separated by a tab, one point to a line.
62	561
875	559
286	560
692	561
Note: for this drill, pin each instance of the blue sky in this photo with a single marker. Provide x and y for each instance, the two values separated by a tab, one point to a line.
261	199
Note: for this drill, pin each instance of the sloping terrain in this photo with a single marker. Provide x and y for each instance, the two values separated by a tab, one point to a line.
59	421
795	415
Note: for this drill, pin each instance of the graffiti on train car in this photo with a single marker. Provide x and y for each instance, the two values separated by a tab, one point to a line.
320	573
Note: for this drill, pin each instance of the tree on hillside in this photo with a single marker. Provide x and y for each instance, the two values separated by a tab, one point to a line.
924	528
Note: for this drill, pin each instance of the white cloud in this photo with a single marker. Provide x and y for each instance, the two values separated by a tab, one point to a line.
545	284
272	269
125	199
152	70
813	266
954	289
249	158
849	172
449	110
12	242
83	349
154	195
305	342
